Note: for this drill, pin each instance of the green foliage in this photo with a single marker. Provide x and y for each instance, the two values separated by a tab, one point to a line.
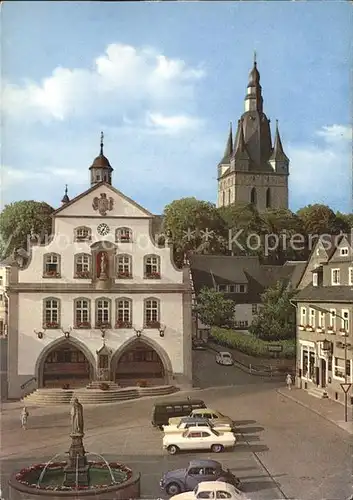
186	220
214	309
320	219
251	345
276	319
18	220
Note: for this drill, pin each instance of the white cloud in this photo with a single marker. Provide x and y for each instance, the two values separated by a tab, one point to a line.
172	125
322	173
335	133
121	79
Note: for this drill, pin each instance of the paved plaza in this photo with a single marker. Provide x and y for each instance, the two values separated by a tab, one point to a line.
284	450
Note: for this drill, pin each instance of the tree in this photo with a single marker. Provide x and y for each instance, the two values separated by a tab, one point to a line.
276	318
283	237
194	226
320	219
22	220
213	308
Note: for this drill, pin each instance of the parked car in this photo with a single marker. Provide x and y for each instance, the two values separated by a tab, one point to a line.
198	344
200	438
212	415
186	422
224	358
163	411
197	471
213	490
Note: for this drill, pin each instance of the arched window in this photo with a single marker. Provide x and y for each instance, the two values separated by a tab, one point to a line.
124	266
268	198
152	268
152	313
103	313
83	265
123	313
223	198
229	195
51	313
51	265
83	233
123	235
82	313
253	196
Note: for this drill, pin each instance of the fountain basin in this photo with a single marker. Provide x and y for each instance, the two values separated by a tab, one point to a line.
23	484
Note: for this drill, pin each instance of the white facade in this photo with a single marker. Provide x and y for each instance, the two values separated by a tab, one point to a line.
68	272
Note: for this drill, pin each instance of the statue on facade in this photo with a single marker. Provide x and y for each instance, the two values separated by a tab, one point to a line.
76	417
103	264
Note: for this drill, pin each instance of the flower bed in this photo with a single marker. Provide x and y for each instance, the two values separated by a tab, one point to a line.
29	476
251	345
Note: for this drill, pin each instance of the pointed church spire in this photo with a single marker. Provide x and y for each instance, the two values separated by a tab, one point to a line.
228	152
65	199
240	147
253	98
277	152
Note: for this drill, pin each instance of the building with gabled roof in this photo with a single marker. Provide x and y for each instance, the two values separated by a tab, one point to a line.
324	318
100	299
252	170
241	278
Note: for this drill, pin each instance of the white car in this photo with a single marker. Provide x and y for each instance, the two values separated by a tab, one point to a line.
195	422
200	438
224	358
212	490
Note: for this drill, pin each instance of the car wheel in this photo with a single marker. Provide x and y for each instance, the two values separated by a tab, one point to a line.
173	489
172	449
217	448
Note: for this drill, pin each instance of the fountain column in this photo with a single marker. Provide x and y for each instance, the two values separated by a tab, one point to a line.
77	468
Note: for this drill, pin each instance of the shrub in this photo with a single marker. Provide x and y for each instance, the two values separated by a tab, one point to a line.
251	345
104	387
141	383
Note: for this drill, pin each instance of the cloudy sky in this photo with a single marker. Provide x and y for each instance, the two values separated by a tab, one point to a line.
163	81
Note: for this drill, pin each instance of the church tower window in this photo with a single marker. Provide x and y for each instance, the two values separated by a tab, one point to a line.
268	198
253	196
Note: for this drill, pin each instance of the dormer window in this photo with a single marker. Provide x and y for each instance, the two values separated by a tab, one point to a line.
51	265
315	279
123	235
82	233
344	252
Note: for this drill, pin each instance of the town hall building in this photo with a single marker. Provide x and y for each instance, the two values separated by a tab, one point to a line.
100	300
252	170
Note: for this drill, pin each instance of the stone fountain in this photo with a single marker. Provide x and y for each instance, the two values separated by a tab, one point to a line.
77	476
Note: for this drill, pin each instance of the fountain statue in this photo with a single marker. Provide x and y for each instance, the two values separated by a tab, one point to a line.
98	479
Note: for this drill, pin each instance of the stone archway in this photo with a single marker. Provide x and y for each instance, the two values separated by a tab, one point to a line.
141	359
65	362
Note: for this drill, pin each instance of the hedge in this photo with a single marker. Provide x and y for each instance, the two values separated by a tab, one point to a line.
251	345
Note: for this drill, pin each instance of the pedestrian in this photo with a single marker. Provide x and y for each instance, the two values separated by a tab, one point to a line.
289	381
24	418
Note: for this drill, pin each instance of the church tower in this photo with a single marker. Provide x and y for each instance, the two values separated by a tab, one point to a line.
251	170
101	170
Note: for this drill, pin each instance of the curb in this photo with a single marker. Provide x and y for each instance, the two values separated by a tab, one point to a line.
304	405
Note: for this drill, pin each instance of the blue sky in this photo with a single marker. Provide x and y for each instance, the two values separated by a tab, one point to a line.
163	81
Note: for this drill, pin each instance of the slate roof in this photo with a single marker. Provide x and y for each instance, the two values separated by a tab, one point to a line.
325	294
212	270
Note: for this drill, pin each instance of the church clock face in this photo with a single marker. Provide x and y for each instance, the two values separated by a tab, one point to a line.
103	229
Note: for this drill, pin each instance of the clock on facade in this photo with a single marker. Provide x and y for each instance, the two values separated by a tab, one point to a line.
103	229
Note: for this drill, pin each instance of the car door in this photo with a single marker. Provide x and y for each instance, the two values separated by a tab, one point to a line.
206	439
193	440
193	478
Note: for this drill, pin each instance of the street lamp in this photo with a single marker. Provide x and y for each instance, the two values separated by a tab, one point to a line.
345	334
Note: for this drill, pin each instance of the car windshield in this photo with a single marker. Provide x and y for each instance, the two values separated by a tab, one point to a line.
226	355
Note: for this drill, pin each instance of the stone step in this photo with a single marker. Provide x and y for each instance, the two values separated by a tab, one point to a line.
318	393
47	397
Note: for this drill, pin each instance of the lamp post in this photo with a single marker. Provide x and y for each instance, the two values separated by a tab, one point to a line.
345	334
